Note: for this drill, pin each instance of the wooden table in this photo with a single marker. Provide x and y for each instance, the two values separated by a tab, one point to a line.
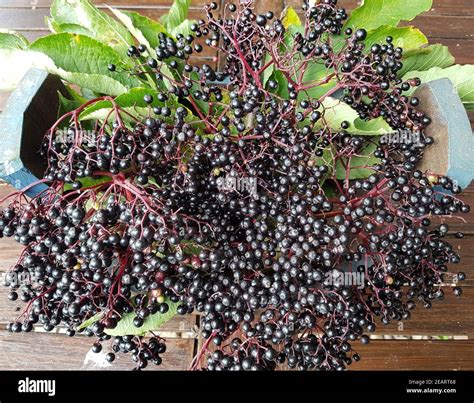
439	338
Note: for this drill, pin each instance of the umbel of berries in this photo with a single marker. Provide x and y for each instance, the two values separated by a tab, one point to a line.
241	196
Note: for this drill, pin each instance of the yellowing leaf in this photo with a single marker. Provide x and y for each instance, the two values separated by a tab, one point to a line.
335	112
291	18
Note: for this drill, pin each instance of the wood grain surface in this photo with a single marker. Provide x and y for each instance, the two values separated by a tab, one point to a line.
427	355
44	351
420	347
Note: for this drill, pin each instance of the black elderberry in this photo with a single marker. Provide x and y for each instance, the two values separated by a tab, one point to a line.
361	34
261	20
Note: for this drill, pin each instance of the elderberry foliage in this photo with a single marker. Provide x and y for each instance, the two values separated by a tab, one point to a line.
240	194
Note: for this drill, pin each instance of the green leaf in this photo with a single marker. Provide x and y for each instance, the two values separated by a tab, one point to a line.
177	14
130	101
98	83
88	94
12	40
203	106
76	96
282	89
144	29
291	18
373	127
428	57
375	13
90	321
67	105
316	73
335	112
268	71
290	34
359	165
101	26
327	158
408	38
184	29
462	78
191	249
57	28
77	59
469	106
152	323
88	182
83	61
167	73
330	191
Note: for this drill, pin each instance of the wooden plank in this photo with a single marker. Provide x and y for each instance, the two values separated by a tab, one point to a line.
471	118
5	189
465	248
453	316
410	354
9	253
461	222
462	7
100	3
42	351
3	99
449	7
26	18
444	26
262	6
432	355
23	18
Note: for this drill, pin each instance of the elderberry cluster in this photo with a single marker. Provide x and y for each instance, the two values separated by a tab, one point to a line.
327	18
236	198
